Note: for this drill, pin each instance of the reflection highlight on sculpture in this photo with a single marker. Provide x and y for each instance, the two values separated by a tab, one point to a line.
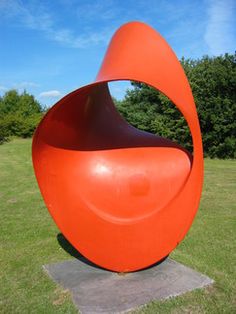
124	198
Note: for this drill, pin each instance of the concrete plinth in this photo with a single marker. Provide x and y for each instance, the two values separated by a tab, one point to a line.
95	290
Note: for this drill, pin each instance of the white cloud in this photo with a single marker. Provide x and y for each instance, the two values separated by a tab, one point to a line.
220	31
106	10
25	85
3	88
19	86
66	37
36	17
50	93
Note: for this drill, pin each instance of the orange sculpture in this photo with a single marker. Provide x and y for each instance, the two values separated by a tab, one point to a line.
124	198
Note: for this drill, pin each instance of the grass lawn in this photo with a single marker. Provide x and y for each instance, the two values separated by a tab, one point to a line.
29	240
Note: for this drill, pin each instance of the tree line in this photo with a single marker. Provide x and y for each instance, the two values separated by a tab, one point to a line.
19	115
213	82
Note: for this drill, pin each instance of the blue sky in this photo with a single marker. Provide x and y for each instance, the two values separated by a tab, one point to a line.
52	47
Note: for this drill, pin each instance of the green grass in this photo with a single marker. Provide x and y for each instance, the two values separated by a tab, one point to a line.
29	240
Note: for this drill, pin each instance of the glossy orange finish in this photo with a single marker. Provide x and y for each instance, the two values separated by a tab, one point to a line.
124	198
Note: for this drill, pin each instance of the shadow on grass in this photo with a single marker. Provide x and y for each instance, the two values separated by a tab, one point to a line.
65	244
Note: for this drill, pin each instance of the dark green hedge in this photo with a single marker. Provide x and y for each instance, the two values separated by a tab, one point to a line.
213	82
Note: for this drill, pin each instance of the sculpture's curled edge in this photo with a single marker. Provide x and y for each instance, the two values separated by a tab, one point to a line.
122	197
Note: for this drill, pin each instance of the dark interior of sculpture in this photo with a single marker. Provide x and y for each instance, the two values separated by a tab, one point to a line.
88	122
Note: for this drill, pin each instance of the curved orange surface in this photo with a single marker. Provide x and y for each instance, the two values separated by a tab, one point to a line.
124	198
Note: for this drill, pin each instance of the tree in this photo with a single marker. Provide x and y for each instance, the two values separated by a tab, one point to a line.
19	115
9	102
149	110
28	106
213	82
